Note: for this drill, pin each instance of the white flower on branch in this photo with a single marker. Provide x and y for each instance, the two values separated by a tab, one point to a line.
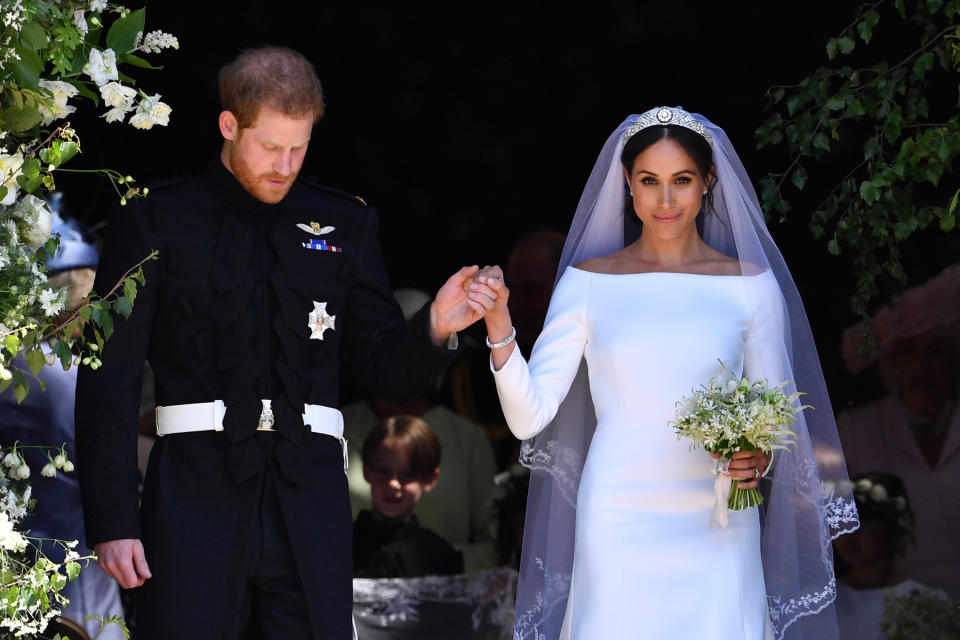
155	41
39	221
115	94
51	301
80	22
101	66
62	91
98	5
151	111
117	114
10	539
10	166
49	471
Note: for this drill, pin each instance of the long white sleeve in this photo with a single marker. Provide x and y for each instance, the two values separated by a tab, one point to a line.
764	357
530	394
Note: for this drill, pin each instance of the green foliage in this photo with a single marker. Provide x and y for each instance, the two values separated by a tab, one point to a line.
874	118
52	51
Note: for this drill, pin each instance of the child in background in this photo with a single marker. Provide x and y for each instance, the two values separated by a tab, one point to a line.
868	580
401	461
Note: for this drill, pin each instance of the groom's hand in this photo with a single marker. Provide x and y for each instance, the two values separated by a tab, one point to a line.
124	561
453	309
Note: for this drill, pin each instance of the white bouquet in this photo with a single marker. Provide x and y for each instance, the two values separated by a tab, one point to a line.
730	415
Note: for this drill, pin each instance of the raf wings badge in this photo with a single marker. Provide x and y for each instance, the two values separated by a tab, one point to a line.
319	320
315	229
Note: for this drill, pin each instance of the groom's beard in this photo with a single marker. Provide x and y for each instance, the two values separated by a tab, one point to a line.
258	185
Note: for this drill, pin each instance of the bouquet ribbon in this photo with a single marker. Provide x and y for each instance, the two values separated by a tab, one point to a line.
721	489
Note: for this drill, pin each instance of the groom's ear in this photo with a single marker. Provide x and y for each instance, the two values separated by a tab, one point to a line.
229	126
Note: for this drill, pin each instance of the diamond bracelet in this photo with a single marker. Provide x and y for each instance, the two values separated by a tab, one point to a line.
505	341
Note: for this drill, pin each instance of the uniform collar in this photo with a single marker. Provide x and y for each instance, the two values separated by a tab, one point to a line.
226	185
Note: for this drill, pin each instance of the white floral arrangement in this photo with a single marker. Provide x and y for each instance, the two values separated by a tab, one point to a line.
922	613
30	583
52	54
729	415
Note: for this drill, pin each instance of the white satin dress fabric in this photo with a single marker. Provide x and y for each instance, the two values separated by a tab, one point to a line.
646	563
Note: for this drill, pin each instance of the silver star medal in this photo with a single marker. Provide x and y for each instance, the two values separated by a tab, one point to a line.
315	229
319	320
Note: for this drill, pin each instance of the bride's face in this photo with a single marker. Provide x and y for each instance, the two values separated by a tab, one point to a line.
667	189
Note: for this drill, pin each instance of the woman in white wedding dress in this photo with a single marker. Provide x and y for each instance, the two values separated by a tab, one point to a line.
652	321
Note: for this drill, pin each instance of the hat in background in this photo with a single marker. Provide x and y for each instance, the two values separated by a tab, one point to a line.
75	251
928	307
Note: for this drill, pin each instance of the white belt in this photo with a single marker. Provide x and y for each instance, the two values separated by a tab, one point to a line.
208	416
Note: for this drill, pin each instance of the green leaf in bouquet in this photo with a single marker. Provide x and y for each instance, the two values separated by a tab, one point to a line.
51	245
34	36
35	360
3	192
68	149
30	168
85	313
5	384
12	344
20	389
27	69
20	116
122	37
73	570
62	350
106	323
123	306
30	184
130	289
137	61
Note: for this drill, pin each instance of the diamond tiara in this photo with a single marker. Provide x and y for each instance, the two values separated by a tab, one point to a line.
661	116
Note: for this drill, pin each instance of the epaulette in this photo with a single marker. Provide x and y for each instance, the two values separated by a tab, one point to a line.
332	191
164	183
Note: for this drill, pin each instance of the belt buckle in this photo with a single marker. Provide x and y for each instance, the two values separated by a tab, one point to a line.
266	417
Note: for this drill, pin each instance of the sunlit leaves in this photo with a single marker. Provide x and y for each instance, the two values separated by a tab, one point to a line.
880	107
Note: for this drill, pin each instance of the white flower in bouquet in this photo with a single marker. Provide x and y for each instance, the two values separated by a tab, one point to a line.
115	94
37	223
155	41
101	66
10	538
98	5
730	415
10	168
51	301
151	111
62	91
80	21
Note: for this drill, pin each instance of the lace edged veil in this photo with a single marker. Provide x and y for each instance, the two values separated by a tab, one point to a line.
810	501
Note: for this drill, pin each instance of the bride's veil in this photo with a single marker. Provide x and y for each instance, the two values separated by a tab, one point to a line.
810	500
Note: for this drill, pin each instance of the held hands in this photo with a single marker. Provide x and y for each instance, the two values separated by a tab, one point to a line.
453	309
748	467
489	289
124	561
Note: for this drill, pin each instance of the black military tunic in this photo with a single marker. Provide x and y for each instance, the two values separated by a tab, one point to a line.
224	315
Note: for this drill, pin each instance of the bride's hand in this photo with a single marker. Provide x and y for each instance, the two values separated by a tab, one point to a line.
489	290
748	467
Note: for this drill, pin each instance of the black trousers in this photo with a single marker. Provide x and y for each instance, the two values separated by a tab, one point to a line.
230	571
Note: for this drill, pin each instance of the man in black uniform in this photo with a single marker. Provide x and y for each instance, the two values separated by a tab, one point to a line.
263	287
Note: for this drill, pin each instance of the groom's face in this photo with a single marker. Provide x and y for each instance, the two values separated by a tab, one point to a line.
267	156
